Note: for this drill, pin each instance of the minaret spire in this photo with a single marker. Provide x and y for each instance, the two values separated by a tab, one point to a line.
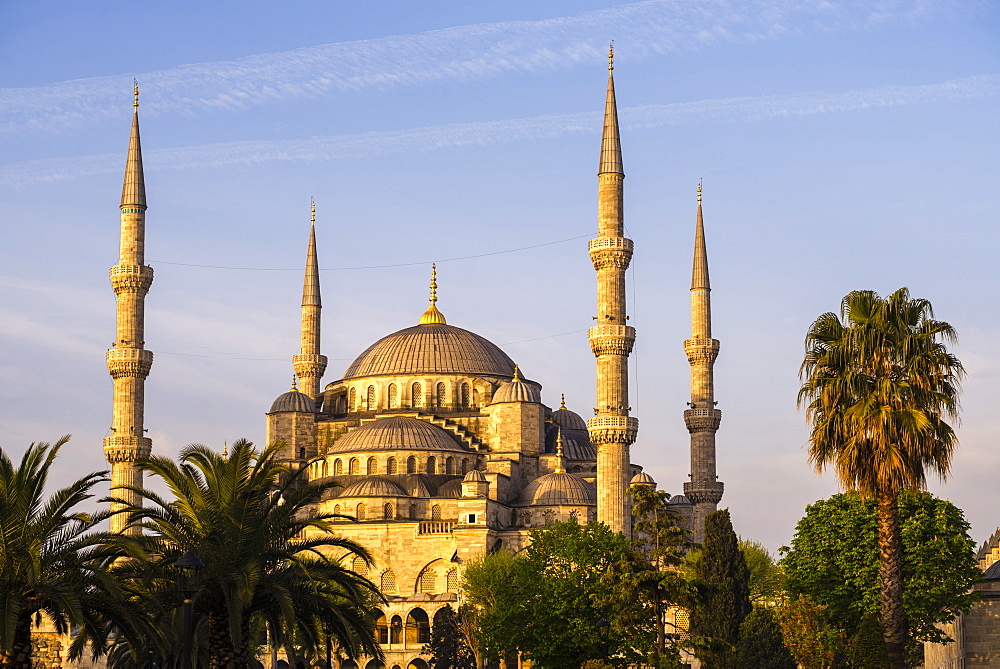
702	418
612	429
128	360
309	364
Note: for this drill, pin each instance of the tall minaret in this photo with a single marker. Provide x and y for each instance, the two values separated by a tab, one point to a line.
128	361
612	429
309	364
702	418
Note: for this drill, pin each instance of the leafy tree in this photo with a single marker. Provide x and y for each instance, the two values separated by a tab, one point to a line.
726	602
767	578
812	640
269	562
762	645
496	586
878	387
51	562
448	648
868	646
834	559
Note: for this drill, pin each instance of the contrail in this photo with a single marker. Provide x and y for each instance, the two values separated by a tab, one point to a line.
456	135
456	54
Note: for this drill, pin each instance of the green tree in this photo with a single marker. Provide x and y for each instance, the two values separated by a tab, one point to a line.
270	562
496	587
868	646
767	578
808	634
726	602
448	648
878	386
762	644
51	562
834	559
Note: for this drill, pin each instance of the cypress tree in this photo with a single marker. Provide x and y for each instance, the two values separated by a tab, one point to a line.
761	643
868	648
727	599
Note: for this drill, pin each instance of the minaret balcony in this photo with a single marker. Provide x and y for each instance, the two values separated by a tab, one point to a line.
701	350
611	339
309	364
129	362
127	449
702	420
704	492
613	252
613	429
131	278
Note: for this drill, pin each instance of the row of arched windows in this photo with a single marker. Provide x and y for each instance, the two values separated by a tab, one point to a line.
364	511
466	397
432	465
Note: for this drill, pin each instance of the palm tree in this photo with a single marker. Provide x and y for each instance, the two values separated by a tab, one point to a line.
877	387
51	563
269	561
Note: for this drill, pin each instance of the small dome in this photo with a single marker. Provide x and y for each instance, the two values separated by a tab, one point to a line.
558	488
293	400
474	476
517	390
679	499
452	489
373	487
568	420
397	433
992	572
642	478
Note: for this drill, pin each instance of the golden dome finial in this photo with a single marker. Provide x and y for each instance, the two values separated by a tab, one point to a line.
560	467
225	449
432	316
517	373
312	212
611	56
699	191
562	401
295	385
135	103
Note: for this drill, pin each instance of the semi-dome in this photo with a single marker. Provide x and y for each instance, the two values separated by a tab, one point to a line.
568	420
558	488
293	400
373	487
577	445
679	499
431	348
397	433
452	489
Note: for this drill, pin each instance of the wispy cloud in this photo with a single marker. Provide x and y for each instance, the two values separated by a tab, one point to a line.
454	54
456	135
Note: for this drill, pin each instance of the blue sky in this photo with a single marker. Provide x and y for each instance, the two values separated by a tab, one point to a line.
843	145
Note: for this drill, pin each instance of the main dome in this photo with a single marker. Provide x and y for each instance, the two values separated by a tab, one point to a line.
435	348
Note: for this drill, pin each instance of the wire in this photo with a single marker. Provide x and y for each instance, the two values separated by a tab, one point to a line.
401	264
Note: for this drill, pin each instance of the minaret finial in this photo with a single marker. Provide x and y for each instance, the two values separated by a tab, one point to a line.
560	465
562	401
699	191
312	211
432	316
135	103
611	56
295	384
225	449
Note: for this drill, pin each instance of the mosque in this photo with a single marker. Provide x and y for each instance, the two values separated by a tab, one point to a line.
442	445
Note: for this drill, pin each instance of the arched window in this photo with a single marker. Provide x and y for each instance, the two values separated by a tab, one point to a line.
336	509
413	511
465	394
353	401
465	466
387	511
436	512
354	466
338	467
428	582
360	513
381	628
371	399
372	466
411	465
449	465
387	583
326	469
359	566
396	630
390	466
393	396
442	394
417	393
431	465
452	581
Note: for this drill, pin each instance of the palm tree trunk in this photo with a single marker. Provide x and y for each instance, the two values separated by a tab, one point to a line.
890	548
221	654
19	656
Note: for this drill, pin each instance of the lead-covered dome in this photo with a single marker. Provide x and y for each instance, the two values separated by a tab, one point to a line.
431	348
293	400
569	420
373	487
558	488
397	433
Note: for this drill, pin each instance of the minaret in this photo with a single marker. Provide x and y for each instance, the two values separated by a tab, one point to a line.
309	364
612	429
702	418
128	361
